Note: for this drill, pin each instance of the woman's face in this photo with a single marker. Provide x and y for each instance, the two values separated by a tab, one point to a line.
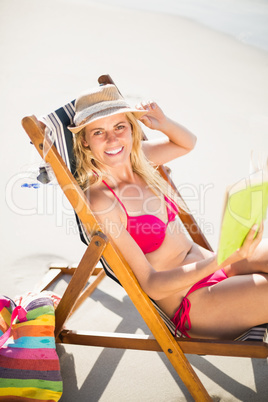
109	139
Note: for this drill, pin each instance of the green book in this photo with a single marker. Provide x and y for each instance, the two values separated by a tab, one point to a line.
246	204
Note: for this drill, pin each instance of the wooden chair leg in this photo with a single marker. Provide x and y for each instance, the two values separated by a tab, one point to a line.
89	289
79	279
55	273
48	279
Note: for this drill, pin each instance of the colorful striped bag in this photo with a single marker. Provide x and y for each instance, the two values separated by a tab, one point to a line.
29	364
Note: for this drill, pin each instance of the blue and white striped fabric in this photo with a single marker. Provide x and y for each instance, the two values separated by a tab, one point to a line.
58	122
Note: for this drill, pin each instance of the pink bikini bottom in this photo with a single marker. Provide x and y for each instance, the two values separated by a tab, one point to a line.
181	318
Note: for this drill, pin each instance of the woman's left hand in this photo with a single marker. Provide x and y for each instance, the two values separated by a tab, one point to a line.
155	119
248	247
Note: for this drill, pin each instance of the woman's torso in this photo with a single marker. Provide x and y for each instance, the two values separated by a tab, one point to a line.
176	249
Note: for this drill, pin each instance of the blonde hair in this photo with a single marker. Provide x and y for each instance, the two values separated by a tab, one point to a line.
90	171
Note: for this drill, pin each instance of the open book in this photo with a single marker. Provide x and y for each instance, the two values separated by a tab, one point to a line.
246	204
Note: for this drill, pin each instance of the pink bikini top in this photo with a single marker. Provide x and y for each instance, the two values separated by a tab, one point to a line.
147	230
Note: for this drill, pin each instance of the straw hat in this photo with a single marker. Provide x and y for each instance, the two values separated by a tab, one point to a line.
100	102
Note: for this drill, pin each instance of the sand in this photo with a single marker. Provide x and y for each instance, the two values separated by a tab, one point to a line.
209	81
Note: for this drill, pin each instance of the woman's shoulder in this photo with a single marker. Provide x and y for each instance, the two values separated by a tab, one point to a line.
98	197
102	201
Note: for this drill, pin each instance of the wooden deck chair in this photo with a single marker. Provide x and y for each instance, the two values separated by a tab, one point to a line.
100	248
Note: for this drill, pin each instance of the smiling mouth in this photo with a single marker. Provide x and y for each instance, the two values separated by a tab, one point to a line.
114	151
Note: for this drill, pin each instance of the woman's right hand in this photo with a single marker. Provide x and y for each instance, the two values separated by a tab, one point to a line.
248	247
155	118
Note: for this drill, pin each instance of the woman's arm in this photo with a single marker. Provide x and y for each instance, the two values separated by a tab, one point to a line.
159	284
178	140
156	284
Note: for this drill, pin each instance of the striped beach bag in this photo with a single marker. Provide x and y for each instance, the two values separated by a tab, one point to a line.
29	364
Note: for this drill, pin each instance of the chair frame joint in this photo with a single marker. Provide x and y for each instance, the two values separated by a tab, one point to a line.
99	238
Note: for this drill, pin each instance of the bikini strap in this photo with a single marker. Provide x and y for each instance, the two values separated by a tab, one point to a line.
172	208
118	199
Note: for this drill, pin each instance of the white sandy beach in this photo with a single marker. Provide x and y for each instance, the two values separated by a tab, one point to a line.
207	80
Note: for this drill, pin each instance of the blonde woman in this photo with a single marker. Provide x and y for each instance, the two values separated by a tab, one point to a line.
138	210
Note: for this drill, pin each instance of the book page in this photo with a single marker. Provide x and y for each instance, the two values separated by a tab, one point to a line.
246	204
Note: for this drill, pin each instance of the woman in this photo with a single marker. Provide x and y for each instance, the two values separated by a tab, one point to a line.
138	210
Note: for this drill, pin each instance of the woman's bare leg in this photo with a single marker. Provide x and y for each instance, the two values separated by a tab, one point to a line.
226	310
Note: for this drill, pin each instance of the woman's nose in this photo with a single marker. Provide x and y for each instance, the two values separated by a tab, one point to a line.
110	136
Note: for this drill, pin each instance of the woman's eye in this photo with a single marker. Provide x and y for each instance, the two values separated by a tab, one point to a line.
97	132
121	127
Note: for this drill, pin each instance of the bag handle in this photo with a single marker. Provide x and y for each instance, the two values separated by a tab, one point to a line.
4	303
18	311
